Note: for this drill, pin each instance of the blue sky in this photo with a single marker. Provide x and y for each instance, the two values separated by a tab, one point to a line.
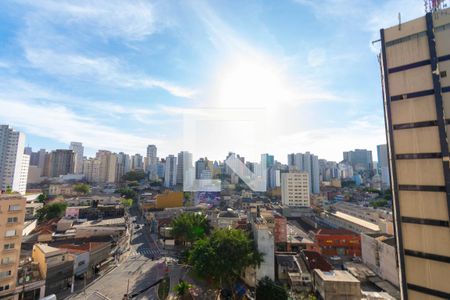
205	76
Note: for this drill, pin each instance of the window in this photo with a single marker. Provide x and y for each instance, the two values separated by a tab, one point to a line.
8	246
13	220
5	274
10	233
443	74
4	288
14	207
7	260
81	263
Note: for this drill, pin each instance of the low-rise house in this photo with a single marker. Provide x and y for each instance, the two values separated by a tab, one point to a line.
30	283
99	254
292	270
93	200
63	189
227	218
55	266
31	209
336	285
94	213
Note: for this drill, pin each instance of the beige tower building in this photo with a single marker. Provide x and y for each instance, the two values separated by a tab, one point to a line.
295	189
415	62
12	216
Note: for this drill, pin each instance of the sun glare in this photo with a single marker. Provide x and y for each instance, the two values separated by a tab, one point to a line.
250	82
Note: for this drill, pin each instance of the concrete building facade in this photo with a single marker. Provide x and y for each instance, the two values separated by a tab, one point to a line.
62	162
295	189
12	217
78	150
415	65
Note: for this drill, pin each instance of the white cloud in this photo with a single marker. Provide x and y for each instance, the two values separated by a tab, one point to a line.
130	20
20	90
61	124
105	70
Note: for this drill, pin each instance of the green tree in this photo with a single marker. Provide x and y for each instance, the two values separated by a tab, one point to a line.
267	289
42	198
182	289
52	210
223	256
9	189
134	176
127	193
126	202
189	227
82	188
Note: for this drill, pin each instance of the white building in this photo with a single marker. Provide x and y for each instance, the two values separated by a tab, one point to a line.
170	176
184	164
295	189
78	149
13	162
378	253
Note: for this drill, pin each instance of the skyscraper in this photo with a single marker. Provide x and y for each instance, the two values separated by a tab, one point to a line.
62	162
137	162
360	159
152	161
170	176
13	162
184	163
78	150
415	64
309	163
383	166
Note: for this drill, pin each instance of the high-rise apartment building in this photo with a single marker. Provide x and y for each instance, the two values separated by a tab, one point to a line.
137	162
78	150
184	164
295	189
12	216
170	176
152	162
13	162
415	64
309	163
62	162
360	159
106	167
383	166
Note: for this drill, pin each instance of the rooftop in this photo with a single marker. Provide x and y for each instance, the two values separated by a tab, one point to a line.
325	231
48	250
357	221
336	275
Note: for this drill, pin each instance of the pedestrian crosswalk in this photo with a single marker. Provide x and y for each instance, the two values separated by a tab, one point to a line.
146	252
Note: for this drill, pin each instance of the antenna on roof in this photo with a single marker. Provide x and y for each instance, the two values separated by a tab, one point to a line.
399	21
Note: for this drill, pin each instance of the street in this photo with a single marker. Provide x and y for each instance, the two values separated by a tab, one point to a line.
143	266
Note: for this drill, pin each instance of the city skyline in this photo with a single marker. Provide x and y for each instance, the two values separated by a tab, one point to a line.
125	85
